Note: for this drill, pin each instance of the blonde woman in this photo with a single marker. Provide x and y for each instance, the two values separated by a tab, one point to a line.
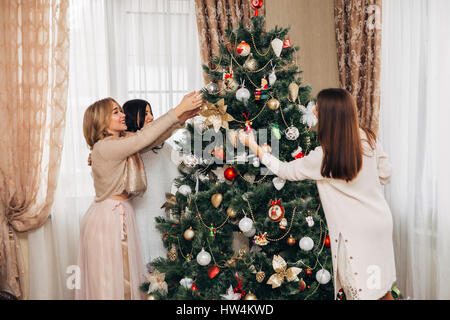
110	256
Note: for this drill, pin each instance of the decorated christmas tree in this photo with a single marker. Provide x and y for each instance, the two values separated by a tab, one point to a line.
224	194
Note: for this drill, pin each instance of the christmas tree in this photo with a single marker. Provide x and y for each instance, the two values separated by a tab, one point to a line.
225	192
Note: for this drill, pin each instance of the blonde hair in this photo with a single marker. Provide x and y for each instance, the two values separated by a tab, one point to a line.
96	120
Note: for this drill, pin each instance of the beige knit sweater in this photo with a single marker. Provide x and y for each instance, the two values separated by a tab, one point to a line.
109	155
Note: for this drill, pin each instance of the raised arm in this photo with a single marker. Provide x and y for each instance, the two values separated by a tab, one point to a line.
166	135
121	148
383	164
307	168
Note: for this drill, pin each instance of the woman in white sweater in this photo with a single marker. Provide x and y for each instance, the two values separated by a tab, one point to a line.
350	167
160	171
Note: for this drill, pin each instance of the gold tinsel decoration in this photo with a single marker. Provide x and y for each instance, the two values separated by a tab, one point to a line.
170	203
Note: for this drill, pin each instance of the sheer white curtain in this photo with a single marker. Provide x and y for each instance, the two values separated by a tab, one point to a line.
414	128
155	51
124	49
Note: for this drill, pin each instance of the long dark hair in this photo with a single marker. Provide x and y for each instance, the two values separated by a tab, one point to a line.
339	136
132	109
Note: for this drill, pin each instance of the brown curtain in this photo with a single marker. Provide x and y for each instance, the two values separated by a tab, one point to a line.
358	37
214	17
34	48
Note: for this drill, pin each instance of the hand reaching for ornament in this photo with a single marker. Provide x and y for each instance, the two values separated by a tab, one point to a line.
248	140
189	106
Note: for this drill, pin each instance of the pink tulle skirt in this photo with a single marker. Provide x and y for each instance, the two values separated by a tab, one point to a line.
110	256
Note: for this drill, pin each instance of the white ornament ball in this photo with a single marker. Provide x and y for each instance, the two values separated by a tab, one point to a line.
256	162
243	95
323	276
292	133
203	258
306	243
185	190
245	224
250	233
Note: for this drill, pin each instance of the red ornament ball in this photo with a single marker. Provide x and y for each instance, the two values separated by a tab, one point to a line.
308	272
193	287
230	174
213	271
327	241
291	241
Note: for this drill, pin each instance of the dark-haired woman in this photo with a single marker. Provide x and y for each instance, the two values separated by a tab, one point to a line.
350	167
160	171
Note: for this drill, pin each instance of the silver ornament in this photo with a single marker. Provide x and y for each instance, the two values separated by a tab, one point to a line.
306	243
246	224
292	133
323	276
243	95
191	160
212	88
203	258
251	64
185	190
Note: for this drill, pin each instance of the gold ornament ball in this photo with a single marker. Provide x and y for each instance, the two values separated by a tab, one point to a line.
273	104
250	296
231	213
260	275
216	200
150	297
189	234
